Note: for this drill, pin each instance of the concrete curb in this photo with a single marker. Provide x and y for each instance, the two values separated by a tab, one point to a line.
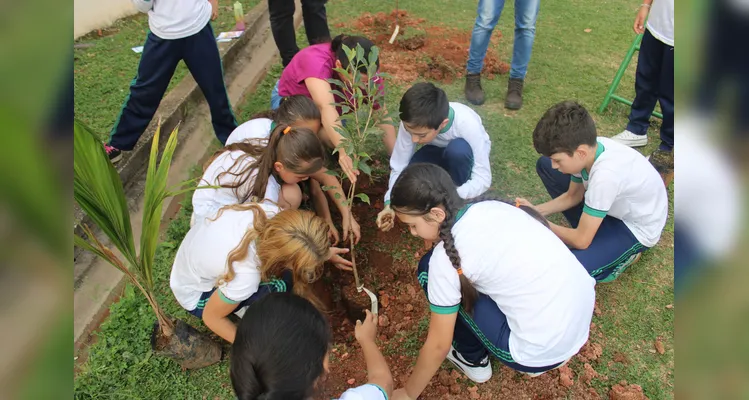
175	107
246	61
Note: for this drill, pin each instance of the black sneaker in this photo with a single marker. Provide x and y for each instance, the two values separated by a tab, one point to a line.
114	154
479	373
474	92
514	100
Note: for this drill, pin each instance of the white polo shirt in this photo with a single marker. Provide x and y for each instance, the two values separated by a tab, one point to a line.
661	21
206	202
464	124
201	259
546	294
370	391
175	19
623	184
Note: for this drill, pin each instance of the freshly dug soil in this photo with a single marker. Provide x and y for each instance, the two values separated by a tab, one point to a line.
421	51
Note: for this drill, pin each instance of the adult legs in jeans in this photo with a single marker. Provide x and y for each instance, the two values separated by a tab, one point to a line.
456	159
484	332
613	246
654	82
282	25
204	62
489	12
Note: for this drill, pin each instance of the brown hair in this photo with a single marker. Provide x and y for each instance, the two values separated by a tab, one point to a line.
298	149
293	239
292	109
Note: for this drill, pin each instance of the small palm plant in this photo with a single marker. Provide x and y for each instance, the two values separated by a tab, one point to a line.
359	119
98	190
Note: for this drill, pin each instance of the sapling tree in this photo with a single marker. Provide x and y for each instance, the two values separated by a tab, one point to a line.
98	190
357	95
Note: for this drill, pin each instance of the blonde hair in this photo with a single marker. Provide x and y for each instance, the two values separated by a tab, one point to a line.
293	239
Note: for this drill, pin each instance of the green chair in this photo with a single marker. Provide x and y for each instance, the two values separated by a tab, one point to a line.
611	95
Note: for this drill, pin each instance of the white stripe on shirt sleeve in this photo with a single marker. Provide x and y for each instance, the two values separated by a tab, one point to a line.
402	153
481	174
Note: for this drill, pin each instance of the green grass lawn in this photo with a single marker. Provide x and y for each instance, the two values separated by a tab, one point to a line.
104	69
567	63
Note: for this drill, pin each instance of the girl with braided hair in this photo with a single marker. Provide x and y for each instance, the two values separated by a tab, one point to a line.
498	282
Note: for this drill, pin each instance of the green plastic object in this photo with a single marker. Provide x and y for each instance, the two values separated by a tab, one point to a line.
611	94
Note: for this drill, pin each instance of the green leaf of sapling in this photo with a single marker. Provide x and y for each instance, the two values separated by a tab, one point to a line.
363	197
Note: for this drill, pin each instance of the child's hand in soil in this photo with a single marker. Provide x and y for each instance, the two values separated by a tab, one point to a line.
386	218
366	331
333	233
350	225
339	262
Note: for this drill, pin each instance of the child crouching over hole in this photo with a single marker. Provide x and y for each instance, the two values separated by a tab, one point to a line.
246	252
267	160
498	282
282	351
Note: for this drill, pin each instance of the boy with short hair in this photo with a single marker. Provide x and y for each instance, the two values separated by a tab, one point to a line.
611	195
452	136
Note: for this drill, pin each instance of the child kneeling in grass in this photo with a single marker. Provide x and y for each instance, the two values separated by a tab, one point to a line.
453	137
283	347
241	255
268	159
610	194
498	282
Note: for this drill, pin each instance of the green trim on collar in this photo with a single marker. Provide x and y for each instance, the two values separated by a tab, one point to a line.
273	125
462	211
575	179
451	119
599	150
444	310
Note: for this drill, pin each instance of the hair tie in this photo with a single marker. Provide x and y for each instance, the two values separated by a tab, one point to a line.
460	271
287	130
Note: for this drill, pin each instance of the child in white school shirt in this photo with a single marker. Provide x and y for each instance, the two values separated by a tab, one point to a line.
613	198
452	136
498	282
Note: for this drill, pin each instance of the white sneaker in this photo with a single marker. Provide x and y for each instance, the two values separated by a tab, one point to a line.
535	374
630	139
478	373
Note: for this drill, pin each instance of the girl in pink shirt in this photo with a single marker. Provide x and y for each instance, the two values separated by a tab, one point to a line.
308	75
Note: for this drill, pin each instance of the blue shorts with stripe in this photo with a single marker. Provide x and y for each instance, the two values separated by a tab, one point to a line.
285	284
613	247
487	331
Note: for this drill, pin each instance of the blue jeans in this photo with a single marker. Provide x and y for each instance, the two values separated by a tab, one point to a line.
275	98
525	31
612	246
484	332
456	159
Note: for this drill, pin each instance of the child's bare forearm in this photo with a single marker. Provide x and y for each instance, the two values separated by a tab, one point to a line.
377	368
